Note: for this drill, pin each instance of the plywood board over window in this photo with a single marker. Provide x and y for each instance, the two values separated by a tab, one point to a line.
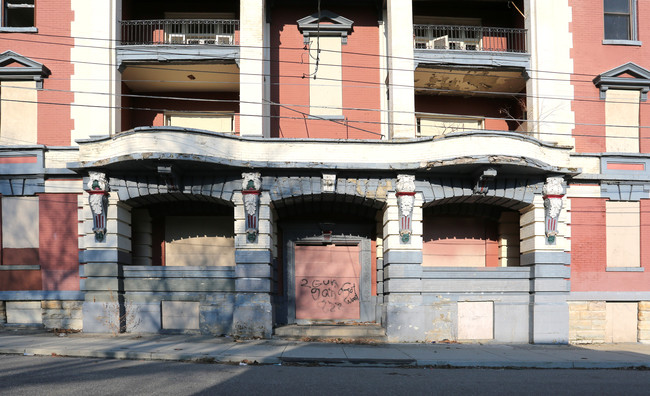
325	90
18	112
621	322
437	126
622	119
217	122
623	234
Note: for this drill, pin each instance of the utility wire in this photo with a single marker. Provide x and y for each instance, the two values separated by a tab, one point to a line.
369	84
155	51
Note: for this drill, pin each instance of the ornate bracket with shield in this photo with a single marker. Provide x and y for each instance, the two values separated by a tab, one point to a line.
251	188
405	199
553	192
483	181
98	201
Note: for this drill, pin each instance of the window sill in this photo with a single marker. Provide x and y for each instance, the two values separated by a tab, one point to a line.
19	267
18	30
625	269
326	117
622	42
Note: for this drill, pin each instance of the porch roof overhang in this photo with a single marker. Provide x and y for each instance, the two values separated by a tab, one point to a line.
146	147
489	59
440	72
129	54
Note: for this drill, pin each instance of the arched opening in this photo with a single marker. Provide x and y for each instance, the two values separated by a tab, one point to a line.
189	231
470	235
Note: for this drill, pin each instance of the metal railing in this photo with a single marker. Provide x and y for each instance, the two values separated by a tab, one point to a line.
180	32
469	38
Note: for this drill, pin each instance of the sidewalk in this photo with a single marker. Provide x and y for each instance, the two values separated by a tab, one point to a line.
225	350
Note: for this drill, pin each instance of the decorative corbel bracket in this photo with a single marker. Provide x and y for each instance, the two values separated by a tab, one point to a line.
328	183
171	177
405	192
486	176
553	192
98	201
251	188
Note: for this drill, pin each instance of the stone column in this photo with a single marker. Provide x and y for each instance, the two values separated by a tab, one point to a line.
400	69
252	84
545	247
403	314
253	313
105	245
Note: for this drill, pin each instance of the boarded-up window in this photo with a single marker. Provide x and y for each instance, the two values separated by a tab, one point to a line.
18	112
217	122
20	222
20	231
476	320
621	322
623	234
622	119
436	126
325	90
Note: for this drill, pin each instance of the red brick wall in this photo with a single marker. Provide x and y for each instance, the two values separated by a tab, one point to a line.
361	85
51	47
592	58
589	249
17	280
59	249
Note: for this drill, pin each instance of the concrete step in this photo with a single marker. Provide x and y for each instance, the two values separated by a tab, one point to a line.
352	332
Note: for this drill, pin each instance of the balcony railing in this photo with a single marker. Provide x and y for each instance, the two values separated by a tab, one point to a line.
469	38
180	32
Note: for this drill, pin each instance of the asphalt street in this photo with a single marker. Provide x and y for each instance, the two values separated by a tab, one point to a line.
47	375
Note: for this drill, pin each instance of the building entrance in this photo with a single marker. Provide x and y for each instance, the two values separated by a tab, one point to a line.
327	282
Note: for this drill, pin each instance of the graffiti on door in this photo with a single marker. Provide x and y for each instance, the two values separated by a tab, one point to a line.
330	294
327	282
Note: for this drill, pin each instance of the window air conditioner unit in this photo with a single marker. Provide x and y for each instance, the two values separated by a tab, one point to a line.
176	38
224	39
440	43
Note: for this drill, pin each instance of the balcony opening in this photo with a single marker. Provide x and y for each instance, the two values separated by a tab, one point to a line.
439	114
469	26
192	23
212	111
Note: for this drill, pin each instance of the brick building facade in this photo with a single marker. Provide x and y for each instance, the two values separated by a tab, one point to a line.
425	170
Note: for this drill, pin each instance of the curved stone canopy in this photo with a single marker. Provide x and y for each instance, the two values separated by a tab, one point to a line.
190	148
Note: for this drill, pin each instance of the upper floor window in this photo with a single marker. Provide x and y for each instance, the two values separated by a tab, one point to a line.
18	13
620	20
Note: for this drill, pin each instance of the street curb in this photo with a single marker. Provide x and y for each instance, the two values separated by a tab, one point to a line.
340	362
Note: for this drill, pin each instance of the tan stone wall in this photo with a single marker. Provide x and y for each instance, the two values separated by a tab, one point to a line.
587	322
62	314
644	321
